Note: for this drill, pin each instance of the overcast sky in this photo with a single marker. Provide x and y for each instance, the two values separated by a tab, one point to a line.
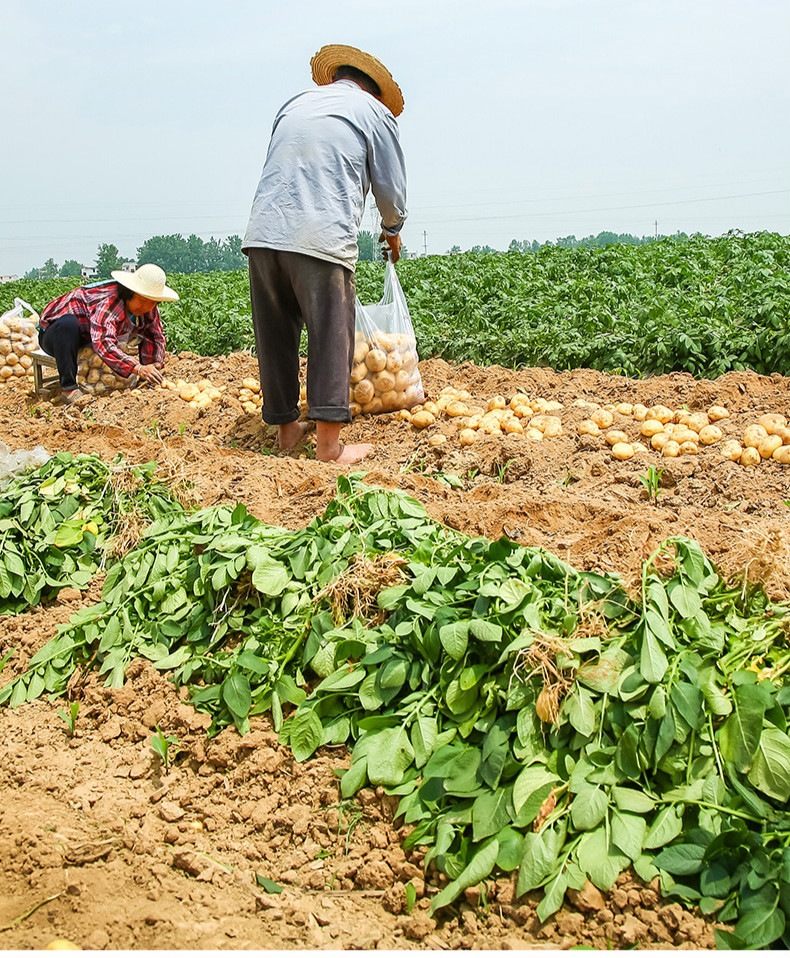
526	119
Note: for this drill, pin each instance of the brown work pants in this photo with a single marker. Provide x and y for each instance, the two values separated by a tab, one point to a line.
289	291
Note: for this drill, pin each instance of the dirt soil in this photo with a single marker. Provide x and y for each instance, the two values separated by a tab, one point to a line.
101	845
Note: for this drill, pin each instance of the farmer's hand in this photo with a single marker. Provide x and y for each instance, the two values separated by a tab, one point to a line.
394	243
150	374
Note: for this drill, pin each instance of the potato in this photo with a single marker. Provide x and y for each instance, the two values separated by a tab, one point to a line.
438	440
423	419
588	428
715	413
518	400
188	391
709	434
683	434
688	448
639	447
670	449
93	376
252	384
750	457
389	400
768	446
456	408
498	402
624	409
772	422
513	426
376	360
659	439
383	381
467	436
732	450
553	428
409	358
660	412
354	408
492	428
614	436
358	372
394	361
360	351
375	405
534	434
364	392
11	359
639	412
6	372
698	421
753	435
622	450
651	427
602	418
5	347
782	455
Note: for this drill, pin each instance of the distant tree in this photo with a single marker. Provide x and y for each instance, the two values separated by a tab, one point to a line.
483	249
107	259
169	252
454	249
232	256
368	246
71	268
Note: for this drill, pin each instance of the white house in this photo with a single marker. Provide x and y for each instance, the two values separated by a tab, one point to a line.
89	272
8	278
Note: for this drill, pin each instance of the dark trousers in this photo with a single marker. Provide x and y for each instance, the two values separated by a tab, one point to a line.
63	339
289	291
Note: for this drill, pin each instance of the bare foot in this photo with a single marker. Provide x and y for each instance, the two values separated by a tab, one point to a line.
290	434
346	455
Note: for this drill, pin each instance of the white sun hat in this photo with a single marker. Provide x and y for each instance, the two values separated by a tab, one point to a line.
148	280
334	55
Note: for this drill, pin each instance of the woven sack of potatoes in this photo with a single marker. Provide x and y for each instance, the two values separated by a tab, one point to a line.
94	376
18	339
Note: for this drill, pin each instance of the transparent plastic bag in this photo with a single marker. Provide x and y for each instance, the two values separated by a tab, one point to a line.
18	339
385	376
19	461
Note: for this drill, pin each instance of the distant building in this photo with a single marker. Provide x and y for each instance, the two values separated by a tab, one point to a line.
129	266
8	278
89	272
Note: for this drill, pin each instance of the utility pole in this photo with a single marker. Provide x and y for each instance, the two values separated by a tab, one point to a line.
425	242
656	225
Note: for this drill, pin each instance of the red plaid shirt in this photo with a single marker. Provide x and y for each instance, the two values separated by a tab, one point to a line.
104	320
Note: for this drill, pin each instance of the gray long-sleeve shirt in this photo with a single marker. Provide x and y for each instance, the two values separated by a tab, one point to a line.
329	146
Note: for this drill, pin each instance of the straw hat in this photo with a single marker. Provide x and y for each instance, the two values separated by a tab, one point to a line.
334	55
148	280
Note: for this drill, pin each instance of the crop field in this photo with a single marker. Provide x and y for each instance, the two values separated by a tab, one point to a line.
520	679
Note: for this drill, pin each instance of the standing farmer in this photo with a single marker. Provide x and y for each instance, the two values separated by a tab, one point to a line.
329	146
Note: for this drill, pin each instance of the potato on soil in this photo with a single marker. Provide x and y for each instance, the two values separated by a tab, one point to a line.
376	360
773	422
732	450
651	427
708	435
689	448
670	449
622	450
613	436
588	428
467	436
423	419
750	457
768	446
438	440
782	455
753	435
715	413
602	418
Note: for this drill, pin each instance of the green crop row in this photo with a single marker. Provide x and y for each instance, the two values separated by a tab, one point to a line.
698	305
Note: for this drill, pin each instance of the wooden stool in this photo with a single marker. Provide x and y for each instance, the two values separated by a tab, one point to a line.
43	385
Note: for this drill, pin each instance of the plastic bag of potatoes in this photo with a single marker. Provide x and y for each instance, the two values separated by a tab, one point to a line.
385	376
18	339
94	376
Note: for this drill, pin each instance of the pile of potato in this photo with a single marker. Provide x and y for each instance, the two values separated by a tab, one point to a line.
200	394
384	377
95	377
768	438
18	339
672	432
498	417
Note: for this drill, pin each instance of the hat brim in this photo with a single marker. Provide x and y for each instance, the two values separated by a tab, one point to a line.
130	281
334	55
